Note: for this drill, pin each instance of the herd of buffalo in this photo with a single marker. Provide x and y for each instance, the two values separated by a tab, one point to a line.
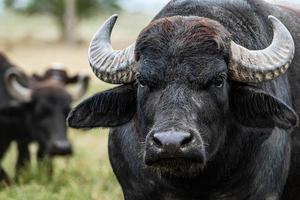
206	106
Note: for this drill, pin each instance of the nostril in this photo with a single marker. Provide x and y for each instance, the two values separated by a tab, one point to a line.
156	140
186	140
171	139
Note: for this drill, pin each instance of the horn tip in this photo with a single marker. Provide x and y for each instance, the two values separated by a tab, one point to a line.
113	18
273	19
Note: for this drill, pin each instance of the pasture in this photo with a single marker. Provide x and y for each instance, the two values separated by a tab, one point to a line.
31	43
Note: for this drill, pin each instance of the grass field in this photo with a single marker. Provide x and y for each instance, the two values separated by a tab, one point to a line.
31	43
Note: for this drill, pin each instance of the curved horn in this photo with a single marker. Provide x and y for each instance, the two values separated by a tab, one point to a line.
12	79
80	87
109	65
263	65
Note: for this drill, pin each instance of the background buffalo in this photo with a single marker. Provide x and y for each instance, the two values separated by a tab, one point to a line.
32	42
34	109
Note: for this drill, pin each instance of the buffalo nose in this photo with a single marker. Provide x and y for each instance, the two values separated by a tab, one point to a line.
61	148
171	139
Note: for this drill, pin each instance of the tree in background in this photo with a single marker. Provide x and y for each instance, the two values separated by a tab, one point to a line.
66	12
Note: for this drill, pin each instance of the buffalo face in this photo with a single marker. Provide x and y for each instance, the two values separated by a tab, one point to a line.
183	122
182	94
49	111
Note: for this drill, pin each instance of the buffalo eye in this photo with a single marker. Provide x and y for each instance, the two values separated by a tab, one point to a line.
140	80
219	81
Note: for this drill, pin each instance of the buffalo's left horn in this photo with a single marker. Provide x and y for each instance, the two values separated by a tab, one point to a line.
12	79
263	65
80	87
109	65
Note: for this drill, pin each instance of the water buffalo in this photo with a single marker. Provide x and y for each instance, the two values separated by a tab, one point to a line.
36	110
205	109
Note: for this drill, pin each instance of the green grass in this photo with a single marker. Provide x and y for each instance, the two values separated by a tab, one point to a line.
86	175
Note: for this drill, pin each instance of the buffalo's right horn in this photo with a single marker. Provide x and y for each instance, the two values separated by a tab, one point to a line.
109	65
15	81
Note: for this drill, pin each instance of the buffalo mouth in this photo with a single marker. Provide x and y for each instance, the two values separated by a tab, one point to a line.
61	153
177	167
60	148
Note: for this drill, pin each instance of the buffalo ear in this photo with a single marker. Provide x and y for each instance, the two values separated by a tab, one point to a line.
110	108
256	108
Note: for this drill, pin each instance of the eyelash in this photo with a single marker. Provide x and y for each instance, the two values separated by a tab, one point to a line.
219	81
140	81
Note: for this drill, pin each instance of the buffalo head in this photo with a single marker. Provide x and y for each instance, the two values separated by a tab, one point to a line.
185	82
46	102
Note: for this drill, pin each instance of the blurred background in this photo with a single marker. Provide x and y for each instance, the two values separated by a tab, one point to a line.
36	33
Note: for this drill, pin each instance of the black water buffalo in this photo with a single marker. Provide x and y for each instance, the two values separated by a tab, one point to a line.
34	109
206	110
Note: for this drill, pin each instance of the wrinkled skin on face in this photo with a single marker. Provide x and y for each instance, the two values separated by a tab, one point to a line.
182	94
